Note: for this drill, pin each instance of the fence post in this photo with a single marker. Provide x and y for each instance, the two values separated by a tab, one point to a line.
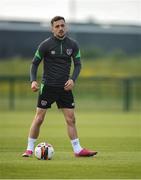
126	94
11	94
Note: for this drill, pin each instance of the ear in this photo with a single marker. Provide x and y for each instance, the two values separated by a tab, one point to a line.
52	29
67	27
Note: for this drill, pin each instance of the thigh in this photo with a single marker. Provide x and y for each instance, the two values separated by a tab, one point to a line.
65	100
46	97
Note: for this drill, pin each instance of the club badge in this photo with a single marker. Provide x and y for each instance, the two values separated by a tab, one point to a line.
52	52
69	52
43	103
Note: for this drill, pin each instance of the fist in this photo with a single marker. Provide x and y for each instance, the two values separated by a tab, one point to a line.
69	85
34	86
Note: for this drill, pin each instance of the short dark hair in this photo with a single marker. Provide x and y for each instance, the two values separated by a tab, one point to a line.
57	18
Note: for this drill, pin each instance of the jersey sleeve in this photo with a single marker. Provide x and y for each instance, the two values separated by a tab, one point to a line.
39	55
76	53
76	56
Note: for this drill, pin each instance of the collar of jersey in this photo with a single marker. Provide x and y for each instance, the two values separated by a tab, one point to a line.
59	39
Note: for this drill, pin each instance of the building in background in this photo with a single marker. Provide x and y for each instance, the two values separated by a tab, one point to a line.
22	38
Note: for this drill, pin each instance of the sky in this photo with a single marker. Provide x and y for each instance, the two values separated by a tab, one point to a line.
99	11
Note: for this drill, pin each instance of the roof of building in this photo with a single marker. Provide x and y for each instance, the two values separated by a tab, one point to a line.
73	27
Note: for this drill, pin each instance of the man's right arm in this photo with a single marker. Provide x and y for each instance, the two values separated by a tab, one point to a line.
34	67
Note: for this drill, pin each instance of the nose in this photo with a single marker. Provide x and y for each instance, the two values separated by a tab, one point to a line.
60	27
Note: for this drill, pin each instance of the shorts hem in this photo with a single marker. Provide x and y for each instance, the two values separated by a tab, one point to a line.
44	107
66	107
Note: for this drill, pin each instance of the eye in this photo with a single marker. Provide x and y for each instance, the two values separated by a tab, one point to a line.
57	26
61	25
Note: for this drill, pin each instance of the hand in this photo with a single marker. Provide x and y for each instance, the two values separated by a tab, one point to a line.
69	85
34	86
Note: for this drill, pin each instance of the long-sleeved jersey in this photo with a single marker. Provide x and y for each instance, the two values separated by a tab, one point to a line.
57	56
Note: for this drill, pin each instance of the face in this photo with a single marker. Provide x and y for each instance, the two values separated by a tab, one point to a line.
59	28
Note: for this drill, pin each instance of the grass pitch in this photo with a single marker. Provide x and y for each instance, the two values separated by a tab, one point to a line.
116	137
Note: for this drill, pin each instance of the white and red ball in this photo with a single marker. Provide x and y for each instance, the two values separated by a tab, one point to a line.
44	151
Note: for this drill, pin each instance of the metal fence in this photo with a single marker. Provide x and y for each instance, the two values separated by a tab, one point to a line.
95	93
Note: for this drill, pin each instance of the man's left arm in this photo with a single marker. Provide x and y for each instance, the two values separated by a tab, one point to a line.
77	65
76	56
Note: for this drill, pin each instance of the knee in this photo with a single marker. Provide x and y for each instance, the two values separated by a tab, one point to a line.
39	119
70	119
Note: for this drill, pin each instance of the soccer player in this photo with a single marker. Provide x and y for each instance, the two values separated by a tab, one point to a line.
57	52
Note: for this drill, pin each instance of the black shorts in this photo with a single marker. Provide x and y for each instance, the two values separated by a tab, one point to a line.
48	95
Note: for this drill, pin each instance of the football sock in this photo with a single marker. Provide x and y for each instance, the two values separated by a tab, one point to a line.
30	145
76	145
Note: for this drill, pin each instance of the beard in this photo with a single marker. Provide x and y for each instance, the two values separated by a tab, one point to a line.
60	35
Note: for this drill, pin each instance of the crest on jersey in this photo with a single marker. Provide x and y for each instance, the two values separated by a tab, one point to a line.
53	52
69	51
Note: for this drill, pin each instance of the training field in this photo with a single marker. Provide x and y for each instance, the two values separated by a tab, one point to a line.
116	136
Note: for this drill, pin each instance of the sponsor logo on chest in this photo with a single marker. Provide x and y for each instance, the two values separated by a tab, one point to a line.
68	52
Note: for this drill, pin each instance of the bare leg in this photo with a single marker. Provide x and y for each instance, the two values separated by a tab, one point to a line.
36	123
72	132
34	131
71	127
70	120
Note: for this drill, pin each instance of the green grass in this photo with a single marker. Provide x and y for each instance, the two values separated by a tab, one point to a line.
116	136
113	67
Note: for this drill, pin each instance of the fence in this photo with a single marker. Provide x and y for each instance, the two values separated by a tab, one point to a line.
96	93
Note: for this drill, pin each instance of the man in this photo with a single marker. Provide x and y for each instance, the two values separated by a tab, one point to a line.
56	52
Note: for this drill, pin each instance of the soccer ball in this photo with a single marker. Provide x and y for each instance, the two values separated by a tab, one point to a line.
44	151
